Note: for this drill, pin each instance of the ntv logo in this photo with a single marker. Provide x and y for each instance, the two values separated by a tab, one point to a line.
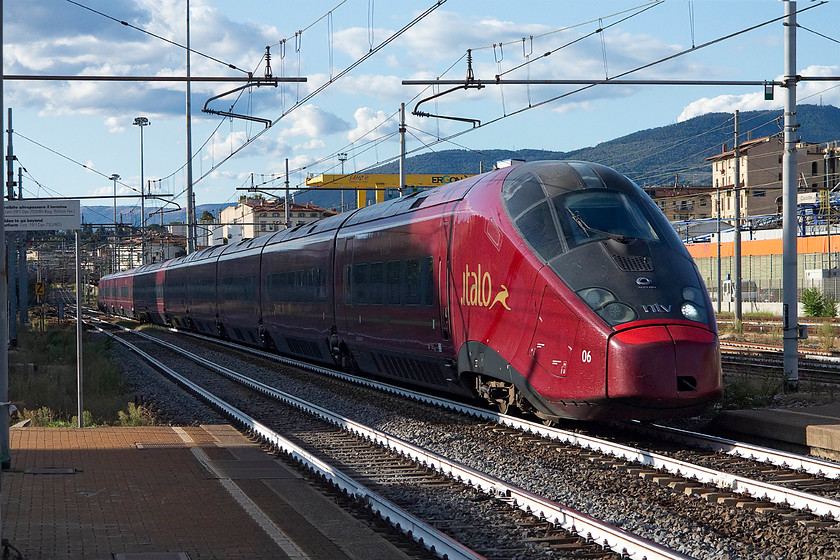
477	290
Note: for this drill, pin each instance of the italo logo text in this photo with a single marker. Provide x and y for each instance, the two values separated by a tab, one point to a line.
478	290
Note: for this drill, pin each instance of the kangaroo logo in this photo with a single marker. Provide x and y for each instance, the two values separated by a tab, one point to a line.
501	297
477	290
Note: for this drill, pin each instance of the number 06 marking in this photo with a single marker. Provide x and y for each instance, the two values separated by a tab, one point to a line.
586	356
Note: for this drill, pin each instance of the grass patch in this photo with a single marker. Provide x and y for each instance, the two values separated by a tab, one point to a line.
42	380
742	392
827	335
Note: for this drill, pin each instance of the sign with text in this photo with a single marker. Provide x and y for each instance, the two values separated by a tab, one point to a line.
40	215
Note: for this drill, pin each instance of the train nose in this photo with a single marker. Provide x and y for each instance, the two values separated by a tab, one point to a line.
664	365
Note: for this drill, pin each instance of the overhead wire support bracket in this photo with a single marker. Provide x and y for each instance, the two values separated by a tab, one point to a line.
469	83
258	82
268	80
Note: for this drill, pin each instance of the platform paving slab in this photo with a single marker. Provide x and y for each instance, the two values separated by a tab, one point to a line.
144	493
811	429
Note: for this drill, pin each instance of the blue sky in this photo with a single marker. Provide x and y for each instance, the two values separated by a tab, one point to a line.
71	136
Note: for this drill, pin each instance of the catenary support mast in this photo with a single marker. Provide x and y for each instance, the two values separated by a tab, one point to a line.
789	226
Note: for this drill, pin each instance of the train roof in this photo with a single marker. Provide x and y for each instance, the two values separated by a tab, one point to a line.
415	201
151	267
245	245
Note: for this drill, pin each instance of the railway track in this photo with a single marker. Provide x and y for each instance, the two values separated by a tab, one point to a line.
386	470
762	359
709	493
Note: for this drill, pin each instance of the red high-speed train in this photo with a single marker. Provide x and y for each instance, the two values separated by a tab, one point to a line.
555	287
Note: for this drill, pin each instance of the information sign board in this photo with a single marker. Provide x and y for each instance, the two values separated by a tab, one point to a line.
40	215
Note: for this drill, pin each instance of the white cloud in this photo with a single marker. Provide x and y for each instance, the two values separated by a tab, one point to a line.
727	104
371	125
806	91
68	40
116	124
314	122
221	146
314	144
384	88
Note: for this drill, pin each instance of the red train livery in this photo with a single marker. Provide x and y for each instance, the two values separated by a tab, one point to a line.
555	287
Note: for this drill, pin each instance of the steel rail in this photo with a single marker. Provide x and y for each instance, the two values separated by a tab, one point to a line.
776	351
761	490
421	532
810	465
618	540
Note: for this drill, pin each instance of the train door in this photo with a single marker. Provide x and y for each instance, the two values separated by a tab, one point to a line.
444	275
342	290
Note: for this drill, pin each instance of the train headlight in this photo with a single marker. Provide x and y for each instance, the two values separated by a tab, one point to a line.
596	298
616	313
692	312
606	305
692	294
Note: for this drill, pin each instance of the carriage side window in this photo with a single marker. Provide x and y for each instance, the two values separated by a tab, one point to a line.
124	291
411	285
322	284
348	285
159	290
240	288
427	275
360	283
227	288
203	291
394	272
404	282
376	293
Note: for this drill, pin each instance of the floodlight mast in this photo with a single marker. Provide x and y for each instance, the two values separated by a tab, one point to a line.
142	122
190	199
114	177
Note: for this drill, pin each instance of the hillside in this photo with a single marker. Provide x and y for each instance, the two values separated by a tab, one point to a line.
650	157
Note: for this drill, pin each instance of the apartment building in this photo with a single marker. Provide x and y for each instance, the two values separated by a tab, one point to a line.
760	164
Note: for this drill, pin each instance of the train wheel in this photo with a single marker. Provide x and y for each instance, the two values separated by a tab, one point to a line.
498	393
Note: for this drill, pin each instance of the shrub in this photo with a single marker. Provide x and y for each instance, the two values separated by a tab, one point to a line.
817	304
42	376
137	415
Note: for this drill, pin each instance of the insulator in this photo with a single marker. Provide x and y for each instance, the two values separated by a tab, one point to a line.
268	62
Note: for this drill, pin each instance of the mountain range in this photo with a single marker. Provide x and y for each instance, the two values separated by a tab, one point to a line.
670	154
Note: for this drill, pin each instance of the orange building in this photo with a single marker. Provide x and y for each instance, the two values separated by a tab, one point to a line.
761	261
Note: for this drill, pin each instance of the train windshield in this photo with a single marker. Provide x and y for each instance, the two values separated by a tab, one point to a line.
596	215
557	207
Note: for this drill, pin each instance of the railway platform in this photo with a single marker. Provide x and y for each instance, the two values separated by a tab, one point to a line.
814	429
167	493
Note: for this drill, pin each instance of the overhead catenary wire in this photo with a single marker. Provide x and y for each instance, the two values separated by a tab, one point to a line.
570	27
600	30
625	73
694	47
333	79
348	147
170	41
80	164
800	26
